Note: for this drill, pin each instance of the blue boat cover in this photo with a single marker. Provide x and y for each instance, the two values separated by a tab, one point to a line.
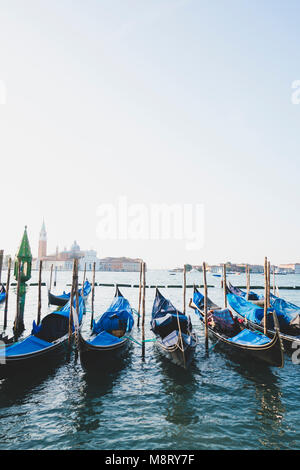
2	296
237	291
286	311
86	291
162	306
165	317
249	338
198	300
118	316
105	339
246	309
28	345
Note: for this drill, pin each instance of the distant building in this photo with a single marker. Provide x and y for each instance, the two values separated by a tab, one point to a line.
64	260
120	264
287	268
297	268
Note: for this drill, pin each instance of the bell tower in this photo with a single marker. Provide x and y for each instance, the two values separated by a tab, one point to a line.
42	242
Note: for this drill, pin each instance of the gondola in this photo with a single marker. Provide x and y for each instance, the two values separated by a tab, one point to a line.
288	317
47	341
252	296
226	328
174	332
109	340
2	293
61	300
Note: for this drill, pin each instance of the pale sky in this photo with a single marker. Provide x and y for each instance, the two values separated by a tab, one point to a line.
160	101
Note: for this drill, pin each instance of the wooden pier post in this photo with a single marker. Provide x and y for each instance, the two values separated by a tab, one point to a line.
140	293
274	282
266	296
225	285
248	280
51	271
84	274
269	282
143	310
93	293
16	322
72	301
1	263
184	289
39	294
55	276
205	306
7	293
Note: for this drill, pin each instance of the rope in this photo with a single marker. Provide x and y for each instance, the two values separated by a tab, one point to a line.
135	311
137	342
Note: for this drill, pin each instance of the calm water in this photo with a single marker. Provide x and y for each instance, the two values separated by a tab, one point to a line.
221	403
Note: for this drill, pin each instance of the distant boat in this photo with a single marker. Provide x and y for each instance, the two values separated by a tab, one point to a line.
61	300
217	275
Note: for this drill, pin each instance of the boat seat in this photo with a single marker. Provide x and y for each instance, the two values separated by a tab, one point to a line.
53	326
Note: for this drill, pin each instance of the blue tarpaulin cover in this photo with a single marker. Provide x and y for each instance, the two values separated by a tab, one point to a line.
105	339
165	317
286	311
26	346
2	296
119	315
246	309
249	338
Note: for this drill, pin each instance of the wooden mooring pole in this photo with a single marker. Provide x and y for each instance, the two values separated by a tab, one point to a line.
205	306
140	293
84	274
51	272
143	310
266	295
7	293
16	322
93	293
225	285
72	300
184	289
269	282
39	294
1	263
55	276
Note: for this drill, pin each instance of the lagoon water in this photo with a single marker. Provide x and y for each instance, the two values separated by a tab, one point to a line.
222	402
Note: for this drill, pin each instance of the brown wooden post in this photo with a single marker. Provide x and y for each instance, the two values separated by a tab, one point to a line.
71	301
274	282
84	274
225	285
184	289
266	296
77	302
1	262
248	280
205	306
39	294
140	293
7	293
51	271
269	282
16	322
93	293
55	276
143	310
